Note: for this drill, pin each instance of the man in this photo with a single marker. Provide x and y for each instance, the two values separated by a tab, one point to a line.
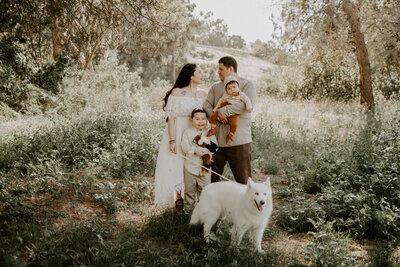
239	154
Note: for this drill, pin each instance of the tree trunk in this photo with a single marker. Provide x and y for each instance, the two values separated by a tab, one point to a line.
56	38
173	74
367	97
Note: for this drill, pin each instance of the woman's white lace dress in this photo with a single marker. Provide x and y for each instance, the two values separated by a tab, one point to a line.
169	168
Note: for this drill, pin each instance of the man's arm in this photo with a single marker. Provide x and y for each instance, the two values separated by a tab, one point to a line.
208	105
240	108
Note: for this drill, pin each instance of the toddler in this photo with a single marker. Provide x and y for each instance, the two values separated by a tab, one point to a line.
231	96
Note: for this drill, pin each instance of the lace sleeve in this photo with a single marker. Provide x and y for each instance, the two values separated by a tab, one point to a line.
172	108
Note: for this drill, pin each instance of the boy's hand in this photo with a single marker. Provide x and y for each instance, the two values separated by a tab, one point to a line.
200	151
249	110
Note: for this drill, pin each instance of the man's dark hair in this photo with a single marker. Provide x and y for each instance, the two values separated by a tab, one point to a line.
229	62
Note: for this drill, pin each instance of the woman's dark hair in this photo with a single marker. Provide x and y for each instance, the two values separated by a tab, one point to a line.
183	80
229	62
198	110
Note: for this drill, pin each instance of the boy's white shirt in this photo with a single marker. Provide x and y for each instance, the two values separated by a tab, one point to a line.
188	147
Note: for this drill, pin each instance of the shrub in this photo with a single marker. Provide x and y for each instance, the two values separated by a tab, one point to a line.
324	80
299	215
328	250
268	86
272	151
384	256
121	144
387	81
107	86
358	182
21	84
210	73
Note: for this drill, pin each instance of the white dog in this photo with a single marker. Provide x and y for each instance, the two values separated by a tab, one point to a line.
247	207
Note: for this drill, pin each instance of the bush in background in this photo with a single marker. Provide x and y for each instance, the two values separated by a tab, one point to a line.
274	152
358	182
107	86
121	144
327	81
327	249
387	81
23	87
210	73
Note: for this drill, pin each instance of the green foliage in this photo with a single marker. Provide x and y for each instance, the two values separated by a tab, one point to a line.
299	215
107	86
193	251
120	143
268	86
273	152
51	75
98	243
327	250
387	81
209	72
384	256
327	81
358	182
210	31
20	83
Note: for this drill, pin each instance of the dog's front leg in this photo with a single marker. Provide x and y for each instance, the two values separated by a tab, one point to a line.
257	237
237	233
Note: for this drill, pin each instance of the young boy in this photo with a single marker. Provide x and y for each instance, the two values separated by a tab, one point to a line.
232	95
195	179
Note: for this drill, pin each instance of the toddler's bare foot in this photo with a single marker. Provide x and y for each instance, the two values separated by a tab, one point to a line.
211	132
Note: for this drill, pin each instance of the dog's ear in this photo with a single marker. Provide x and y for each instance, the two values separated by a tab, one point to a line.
268	184
249	182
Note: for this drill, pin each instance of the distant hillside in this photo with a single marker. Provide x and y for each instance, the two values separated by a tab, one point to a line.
250	66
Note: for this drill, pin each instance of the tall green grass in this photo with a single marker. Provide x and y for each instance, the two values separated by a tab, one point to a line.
356	183
120	143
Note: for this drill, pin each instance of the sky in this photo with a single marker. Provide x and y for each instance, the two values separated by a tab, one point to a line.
250	19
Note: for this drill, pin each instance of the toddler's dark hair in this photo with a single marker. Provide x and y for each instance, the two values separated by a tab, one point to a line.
198	110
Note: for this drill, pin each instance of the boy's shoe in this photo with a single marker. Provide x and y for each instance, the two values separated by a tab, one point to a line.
179	205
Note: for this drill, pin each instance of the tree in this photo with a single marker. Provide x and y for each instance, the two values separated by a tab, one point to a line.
329	30
367	97
236	41
87	29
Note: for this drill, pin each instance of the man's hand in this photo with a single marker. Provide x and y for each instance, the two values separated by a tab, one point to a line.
221	117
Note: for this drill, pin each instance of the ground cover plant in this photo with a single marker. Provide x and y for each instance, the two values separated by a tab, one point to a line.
76	184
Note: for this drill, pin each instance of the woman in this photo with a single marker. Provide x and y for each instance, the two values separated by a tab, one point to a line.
179	102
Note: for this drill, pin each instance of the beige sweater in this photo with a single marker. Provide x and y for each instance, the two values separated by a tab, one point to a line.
243	133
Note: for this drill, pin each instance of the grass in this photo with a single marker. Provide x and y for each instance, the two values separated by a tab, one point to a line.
76	185
102	216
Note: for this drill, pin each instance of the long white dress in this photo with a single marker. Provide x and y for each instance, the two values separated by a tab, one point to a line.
169	167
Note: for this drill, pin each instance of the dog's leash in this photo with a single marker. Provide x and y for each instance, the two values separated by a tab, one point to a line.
206	168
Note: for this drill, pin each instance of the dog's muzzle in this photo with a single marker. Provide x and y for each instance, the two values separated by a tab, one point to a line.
259	206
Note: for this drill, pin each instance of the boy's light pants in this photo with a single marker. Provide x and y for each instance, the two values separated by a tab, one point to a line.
194	184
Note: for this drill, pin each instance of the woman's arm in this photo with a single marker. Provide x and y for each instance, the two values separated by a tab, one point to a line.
171	134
